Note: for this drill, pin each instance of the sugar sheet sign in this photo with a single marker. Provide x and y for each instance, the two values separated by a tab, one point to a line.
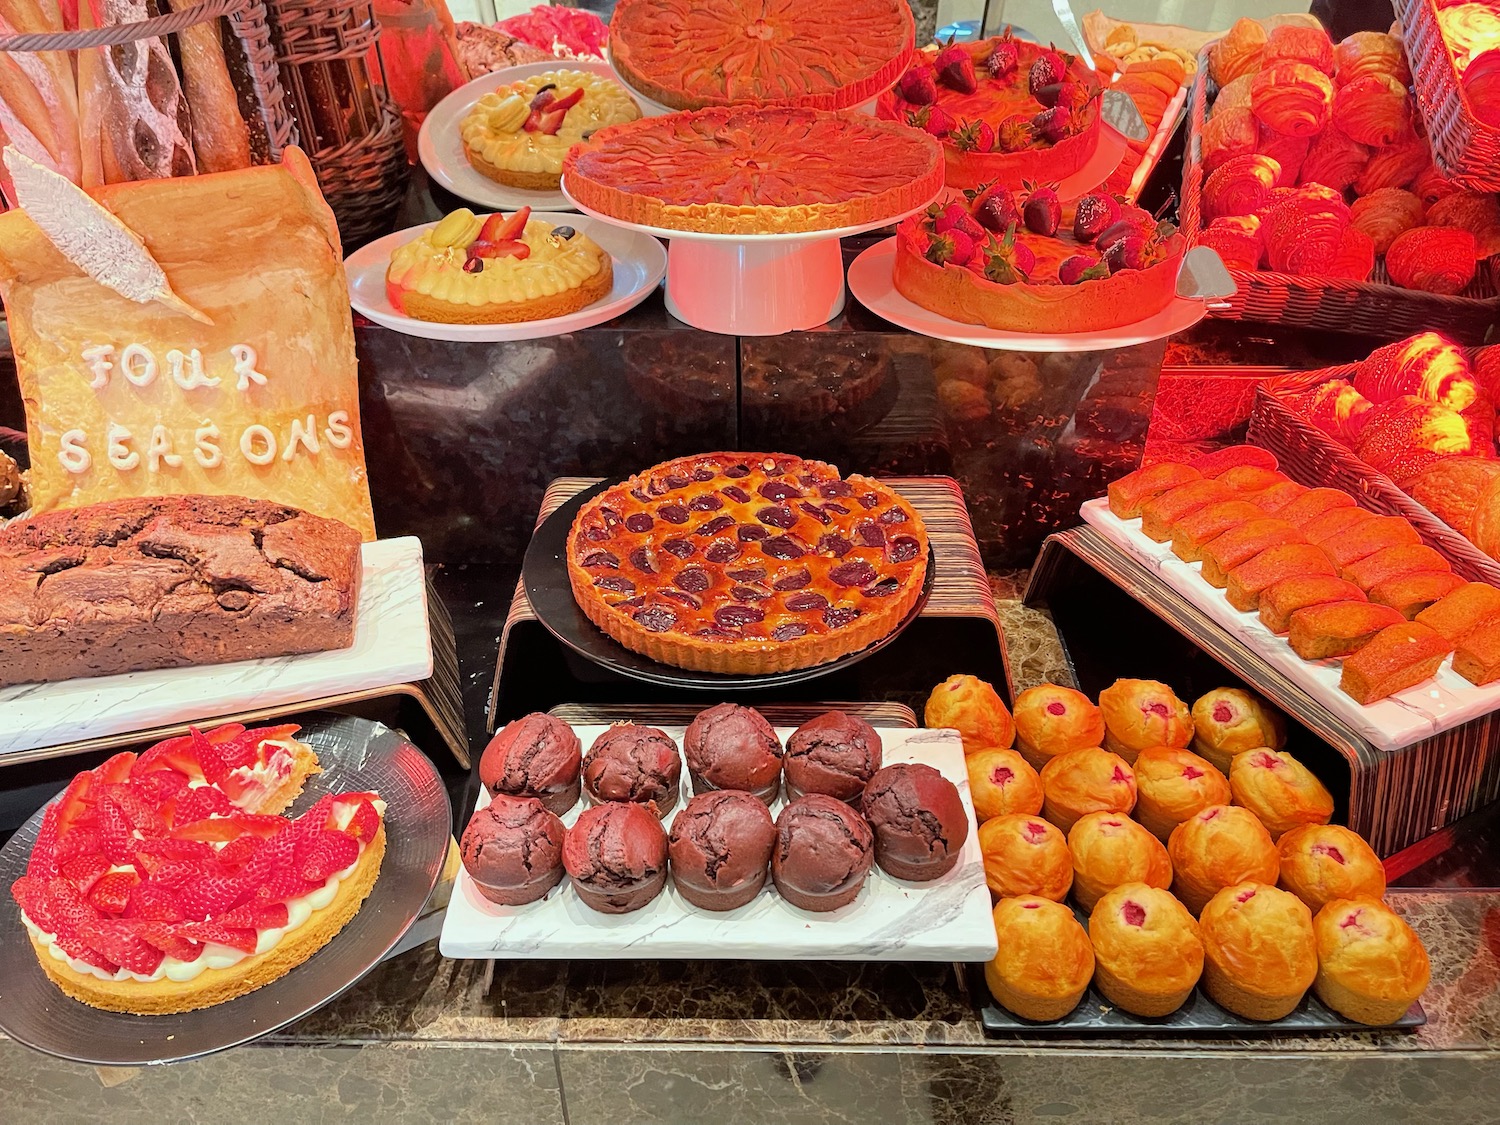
947	919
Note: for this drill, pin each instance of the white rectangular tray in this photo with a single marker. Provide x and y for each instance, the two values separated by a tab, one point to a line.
391	646
947	919
1439	704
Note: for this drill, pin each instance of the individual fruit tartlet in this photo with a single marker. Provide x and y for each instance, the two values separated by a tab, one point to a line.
164	882
747	563
512	849
1260	957
834	753
919	821
1372	966
1045	960
1174	785
1323	862
1280	790
496	269
755	171
687	54
1004	108
1139	714
534	756
733	747
518	134
1110	850
1051	720
1147	951
822	854
634	763
1085	781
616	856
974	708
1004	259
1217	848
1025	855
1001	782
720	848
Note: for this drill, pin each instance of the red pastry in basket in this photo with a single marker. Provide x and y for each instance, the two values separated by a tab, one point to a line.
1334	160
1435	259
1395	167
1304	231
1405	435
1236	239
1425	365
1239	186
1293	98
1374	110
1355	259
1238	52
1299	44
1474	211
1386	213
1369	52
1230	132
1336	408
1288	152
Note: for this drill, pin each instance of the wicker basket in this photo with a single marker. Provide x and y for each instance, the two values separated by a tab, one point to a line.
350	129
1371	308
1315	459
1464	148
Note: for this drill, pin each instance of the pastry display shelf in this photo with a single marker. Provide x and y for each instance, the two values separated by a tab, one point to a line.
1117	618
753	284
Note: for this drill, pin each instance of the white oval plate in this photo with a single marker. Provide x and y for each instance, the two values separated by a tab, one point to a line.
640	262
441	149
870	280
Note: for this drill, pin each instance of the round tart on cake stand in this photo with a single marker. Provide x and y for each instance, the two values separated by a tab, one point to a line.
753	203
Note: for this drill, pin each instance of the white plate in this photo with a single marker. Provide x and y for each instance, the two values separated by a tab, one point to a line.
870	279
947	919
441	149
640	262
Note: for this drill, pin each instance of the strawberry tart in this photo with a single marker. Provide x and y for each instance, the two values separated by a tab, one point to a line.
1004	109
1009	261
163	881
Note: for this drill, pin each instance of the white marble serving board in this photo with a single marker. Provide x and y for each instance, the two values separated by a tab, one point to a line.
947	919
1436	705
391	646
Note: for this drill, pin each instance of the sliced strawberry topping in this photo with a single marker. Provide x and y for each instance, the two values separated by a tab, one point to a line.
548	111
115	770
329	854
239	851
31	895
365	822
210	895
209	758
119	941
256	916
165	938
152	902
115	835
111	893
166	849
231	827
245	748
138	809
200	804
162	786
83	871
501	228
286	883
43	862
241	939
69	910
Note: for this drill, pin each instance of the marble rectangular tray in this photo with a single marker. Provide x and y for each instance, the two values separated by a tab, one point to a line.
392	645
945	920
1436	705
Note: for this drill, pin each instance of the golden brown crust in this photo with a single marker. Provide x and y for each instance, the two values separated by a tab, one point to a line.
214	986
304	765
423	307
510	177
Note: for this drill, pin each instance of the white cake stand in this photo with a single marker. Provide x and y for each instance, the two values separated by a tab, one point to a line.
753	284
651	108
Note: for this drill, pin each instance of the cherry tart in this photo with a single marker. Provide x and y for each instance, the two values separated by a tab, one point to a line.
747	563
163	882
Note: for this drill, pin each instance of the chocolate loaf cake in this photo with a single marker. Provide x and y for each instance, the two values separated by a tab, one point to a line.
162	582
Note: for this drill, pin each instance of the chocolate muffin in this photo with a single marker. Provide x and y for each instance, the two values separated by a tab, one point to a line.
535	756
616	855
512	849
733	747
822	853
918	819
834	754
636	764
720	845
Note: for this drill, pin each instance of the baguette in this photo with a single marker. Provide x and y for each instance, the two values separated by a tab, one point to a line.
221	141
38	98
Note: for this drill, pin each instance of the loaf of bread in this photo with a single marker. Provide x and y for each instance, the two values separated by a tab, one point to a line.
1278	602
221	141
1127	494
1338	628
1162	512
1242	544
1459	613
1274	564
162	582
1410	594
1397	658
1194	532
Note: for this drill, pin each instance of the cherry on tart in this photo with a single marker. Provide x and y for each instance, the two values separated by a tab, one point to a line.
747	563
163	882
754	171
690	54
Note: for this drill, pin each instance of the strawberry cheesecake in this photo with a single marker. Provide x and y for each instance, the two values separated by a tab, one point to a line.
164	881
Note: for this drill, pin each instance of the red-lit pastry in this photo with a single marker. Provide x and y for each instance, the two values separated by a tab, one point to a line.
1398	166
1130	492
1249	579
1045	959
1109	850
823	853
1293	98
512	849
973	708
1243	543
720	849
1426	365
1324	862
1236	239
1237	52
1195	532
1372	966
1217	848
1279	602
1474	211
1435	259
616	856
1051	720
534	756
1478	657
1355	259
1466	609
1374	110
1173	785
1280	790
1220	461
1288	152
1336	408
1398	657
1298	43
1337	628
1334	160
1410	594
1142	713
1230	132
1161	513
1001	782
1025	855
1239	186
919	821
1314	503
1084	781
1304	232
1148	955
1259	954
1369	52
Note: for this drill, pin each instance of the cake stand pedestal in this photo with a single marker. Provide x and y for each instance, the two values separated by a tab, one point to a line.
753	284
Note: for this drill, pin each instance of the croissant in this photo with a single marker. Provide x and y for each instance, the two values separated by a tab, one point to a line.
1336	408
1373	110
1239	186
1235	95
1355	257
1431	185
1333	160
1481	86
1436	259
1236	239
1476	212
1305	231
1292	43
1406	435
1229	134
1292	98
1288	152
1397	166
1486	371
1386	213
1424	366
1237	52
1369	52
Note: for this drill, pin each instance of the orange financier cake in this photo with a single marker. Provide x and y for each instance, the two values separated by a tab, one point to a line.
747	562
1290	560
1279	601
687	54
1192	533
1338	628
1410	594
1128	494
496	269
1243	543
1458	614
1478	657
754	171
1161	513
163	882
1399	656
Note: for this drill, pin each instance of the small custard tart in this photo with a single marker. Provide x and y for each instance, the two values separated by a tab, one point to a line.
518	134
534	271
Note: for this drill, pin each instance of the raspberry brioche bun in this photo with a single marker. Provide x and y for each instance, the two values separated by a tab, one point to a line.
1229	721
1052	720
1045	960
1142	713
1259	954
1280	790
1147	952
1172	785
1024	855
1001	783
1219	847
974	709
1109	850
1085	781
1324	862
1371	965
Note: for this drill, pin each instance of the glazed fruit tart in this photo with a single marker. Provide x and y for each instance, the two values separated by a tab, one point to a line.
689	54
747	563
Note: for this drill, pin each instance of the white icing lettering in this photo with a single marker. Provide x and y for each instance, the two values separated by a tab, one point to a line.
138	364
100	359
159	451
267	451
74	457
206	449
244	367
121	456
192	377
302	434
338	431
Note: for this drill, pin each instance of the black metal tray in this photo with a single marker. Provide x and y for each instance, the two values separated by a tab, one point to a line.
544	574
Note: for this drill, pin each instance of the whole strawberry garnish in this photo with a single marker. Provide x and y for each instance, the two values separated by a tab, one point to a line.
1054	124
933	119
973	136
955	69
1007	261
1049	69
1015	133
956	217
998	211
1042	212
918	85
952	247
1081	267
1094	213
1075	95
1005	57
1128	253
